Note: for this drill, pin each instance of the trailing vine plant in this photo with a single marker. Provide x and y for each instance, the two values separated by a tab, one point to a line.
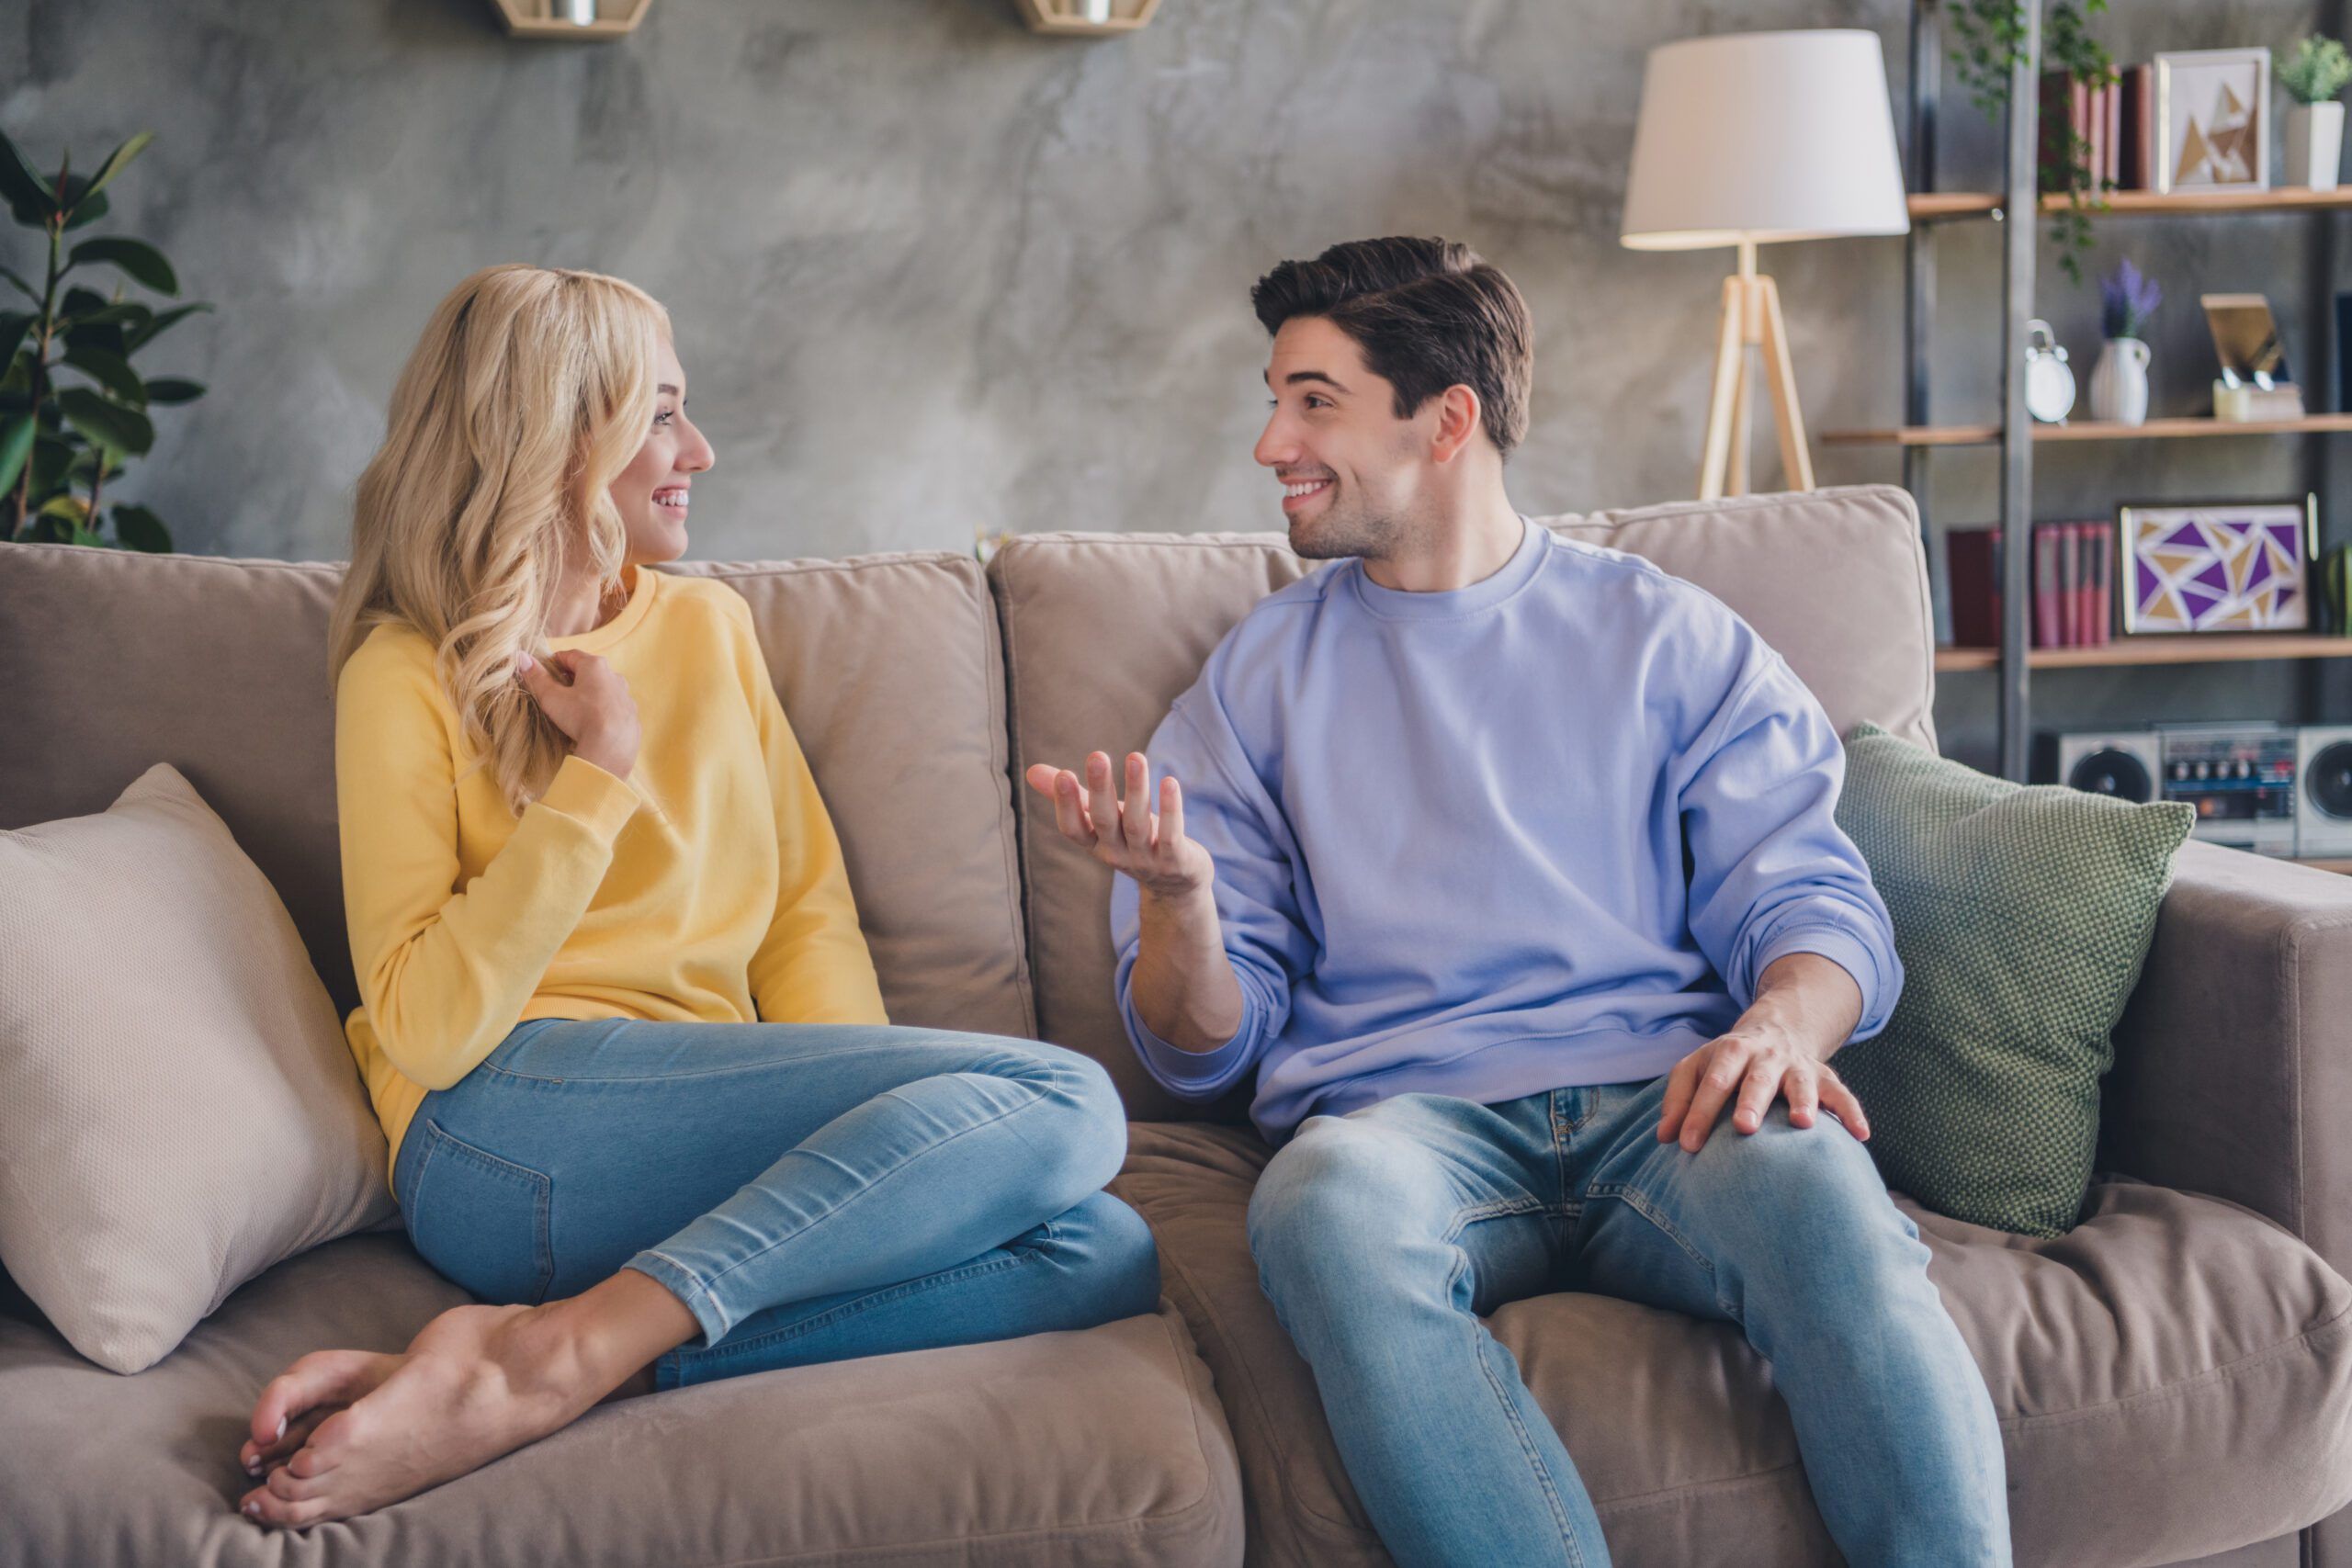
1989	34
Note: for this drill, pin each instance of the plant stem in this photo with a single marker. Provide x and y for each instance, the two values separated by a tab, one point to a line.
39	365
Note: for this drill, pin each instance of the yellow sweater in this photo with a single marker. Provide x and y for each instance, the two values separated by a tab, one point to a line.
708	885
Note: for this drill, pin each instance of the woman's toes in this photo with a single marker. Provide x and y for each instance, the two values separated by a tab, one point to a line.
293	1402
265	1507
308	1464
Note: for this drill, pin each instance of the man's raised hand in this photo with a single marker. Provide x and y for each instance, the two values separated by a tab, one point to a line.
1124	833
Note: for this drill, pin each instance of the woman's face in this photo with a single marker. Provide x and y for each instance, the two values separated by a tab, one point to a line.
651	492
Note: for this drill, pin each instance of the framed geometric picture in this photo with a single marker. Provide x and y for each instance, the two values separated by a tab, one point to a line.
2217	566
2212	119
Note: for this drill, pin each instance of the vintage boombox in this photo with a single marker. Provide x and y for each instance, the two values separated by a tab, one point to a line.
2272	788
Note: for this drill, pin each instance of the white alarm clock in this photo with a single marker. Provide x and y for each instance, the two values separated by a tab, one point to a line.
2049	385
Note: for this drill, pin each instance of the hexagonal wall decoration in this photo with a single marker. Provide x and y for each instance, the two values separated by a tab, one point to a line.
552	18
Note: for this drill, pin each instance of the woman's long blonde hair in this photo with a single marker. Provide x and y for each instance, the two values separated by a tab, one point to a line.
532	388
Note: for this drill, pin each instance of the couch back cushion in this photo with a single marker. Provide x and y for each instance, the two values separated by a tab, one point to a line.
888	667
1102	631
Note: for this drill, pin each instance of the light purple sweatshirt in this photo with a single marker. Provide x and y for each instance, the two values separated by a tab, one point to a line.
1541	831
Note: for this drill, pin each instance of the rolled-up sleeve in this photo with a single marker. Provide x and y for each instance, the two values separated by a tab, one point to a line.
1230	816
1771	872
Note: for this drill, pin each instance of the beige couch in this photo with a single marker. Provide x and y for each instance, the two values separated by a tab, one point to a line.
2174	1376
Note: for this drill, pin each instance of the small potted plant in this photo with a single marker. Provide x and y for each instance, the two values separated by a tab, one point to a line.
2119	381
2317	69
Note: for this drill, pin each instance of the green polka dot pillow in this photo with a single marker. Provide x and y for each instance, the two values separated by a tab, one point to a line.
2022	914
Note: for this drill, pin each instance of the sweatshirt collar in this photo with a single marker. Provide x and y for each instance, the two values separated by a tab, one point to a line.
1396	604
598	638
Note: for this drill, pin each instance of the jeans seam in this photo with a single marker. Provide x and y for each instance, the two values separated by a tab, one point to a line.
872	1298
1643	1205
867	1187
1480	1337
440	1140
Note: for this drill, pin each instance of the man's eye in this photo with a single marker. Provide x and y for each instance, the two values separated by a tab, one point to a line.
1314	401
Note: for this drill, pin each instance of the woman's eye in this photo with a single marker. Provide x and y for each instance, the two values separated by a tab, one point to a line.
663	417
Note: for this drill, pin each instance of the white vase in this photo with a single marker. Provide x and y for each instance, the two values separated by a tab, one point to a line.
2314	144
2119	382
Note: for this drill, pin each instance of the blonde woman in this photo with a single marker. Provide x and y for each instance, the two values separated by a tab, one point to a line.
618	1019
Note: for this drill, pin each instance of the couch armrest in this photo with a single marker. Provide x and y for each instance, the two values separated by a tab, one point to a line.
2233	1061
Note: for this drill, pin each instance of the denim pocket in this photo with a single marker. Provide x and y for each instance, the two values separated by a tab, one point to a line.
481	1220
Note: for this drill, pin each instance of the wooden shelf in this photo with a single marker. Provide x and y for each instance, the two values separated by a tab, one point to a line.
2341	867
546	20
1940	206
1067	19
2208	647
2086	430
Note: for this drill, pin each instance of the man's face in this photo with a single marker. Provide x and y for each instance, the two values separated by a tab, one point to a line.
1352	473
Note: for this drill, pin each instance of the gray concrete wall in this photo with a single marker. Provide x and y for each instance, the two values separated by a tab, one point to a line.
935	275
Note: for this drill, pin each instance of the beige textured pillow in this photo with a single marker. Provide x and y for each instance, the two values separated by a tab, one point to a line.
178	1111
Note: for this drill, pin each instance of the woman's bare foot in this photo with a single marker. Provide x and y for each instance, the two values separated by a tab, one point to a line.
479	1382
293	1402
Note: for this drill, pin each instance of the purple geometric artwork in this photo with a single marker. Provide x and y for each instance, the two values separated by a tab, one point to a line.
2207	568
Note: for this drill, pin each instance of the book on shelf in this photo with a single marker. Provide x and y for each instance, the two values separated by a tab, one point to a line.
2073	575
2115	124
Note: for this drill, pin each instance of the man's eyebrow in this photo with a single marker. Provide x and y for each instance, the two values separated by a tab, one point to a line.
1303	375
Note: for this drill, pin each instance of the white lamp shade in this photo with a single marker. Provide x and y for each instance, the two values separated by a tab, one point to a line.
1763	136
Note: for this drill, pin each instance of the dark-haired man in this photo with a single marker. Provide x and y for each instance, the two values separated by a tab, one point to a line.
1508	864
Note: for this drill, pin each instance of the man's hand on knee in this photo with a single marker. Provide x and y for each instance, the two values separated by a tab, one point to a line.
1758	1063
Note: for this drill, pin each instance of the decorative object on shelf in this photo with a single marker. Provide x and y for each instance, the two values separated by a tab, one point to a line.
2313	74
2049	383
2334	586
2217	567
60	444
2213	119
2120	380
2254	383
1753	139
1990	33
2342	367
2323	790
1087	18
590	19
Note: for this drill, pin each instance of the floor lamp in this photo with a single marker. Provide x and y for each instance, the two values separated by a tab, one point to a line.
1748	139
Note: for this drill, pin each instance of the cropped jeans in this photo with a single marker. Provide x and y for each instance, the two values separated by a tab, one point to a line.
1383	1237
810	1193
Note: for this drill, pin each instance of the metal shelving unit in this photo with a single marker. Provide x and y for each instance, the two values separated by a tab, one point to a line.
2015	434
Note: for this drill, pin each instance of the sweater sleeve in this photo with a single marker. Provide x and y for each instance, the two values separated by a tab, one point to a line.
812	966
1230	815
444	970
1771	872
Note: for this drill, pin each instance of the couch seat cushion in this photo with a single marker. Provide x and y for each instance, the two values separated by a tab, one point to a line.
1102	1447
2174	1379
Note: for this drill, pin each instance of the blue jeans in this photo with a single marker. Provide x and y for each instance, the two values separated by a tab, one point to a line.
1383	1236
811	1193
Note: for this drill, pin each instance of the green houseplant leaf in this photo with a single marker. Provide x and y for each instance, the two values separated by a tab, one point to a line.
115	164
22	187
140	259
110	425
141	530
16	446
173	389
109	370
140	336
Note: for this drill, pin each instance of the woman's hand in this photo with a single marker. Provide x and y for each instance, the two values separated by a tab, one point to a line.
589	702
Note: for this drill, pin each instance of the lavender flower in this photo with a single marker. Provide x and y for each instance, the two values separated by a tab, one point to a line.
2126	300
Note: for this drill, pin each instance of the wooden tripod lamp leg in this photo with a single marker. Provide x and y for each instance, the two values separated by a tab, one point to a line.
1796	458
1730	351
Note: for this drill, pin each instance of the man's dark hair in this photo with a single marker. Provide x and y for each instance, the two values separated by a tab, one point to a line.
1429	314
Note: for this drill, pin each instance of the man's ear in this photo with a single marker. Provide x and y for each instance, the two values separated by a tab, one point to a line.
1459	417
